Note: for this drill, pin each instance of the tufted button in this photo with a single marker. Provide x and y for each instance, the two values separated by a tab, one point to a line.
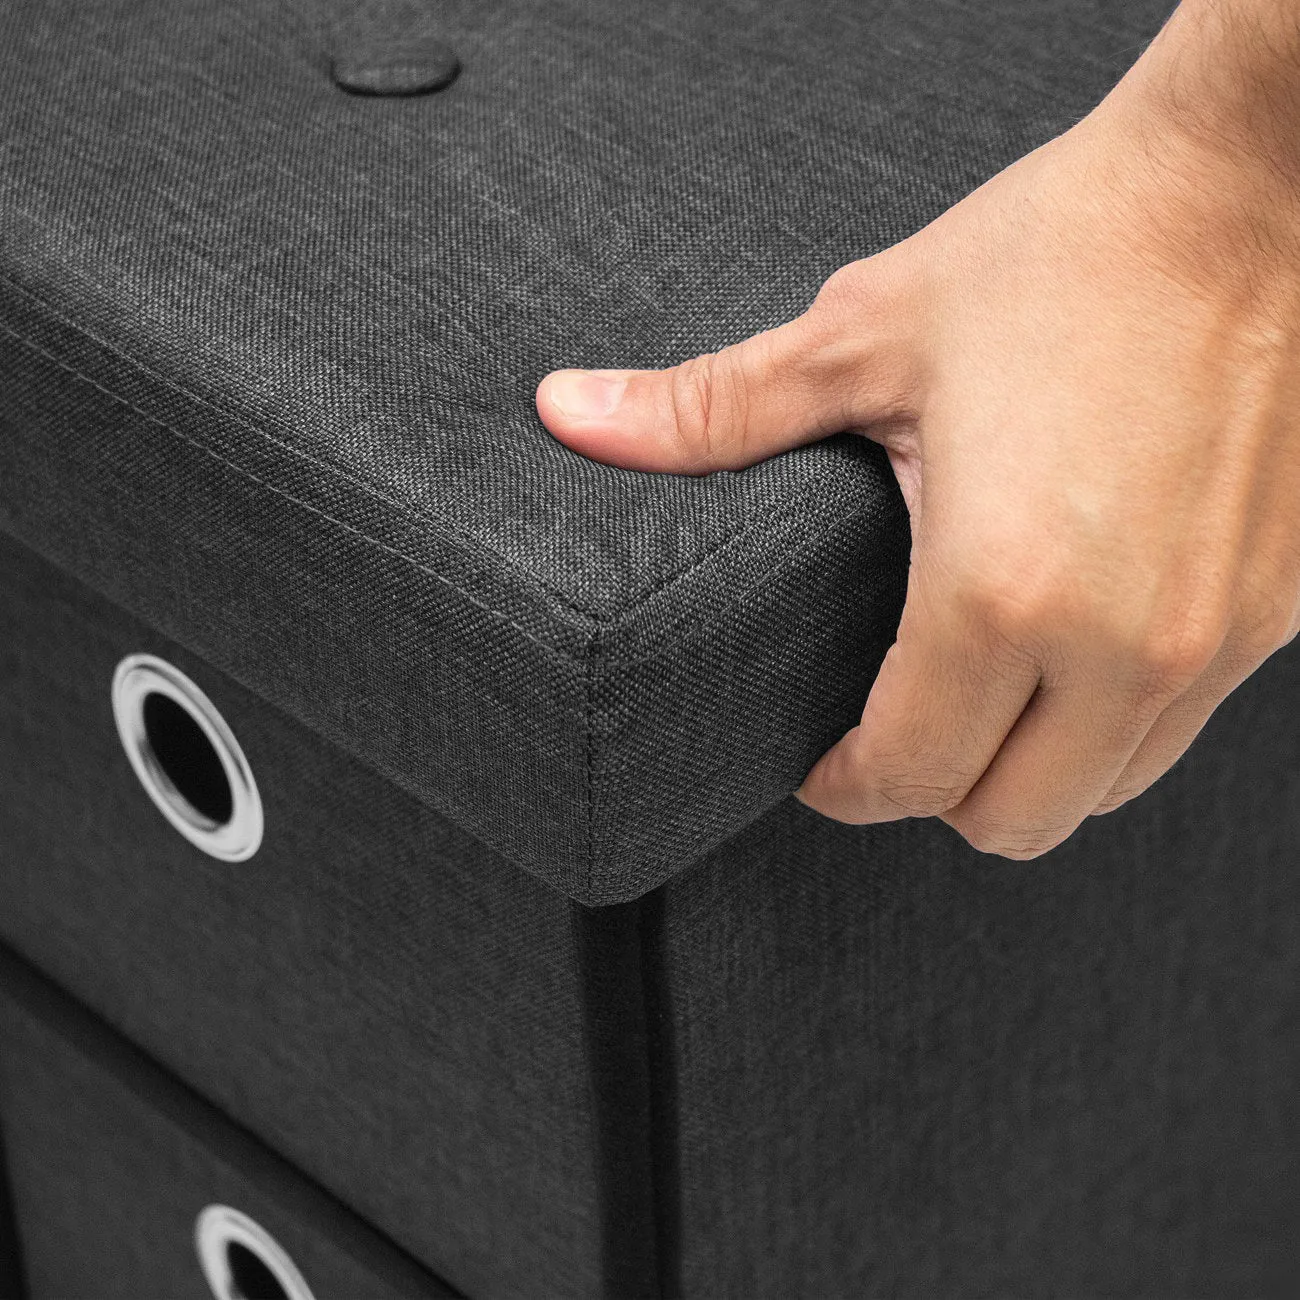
386	47
390	68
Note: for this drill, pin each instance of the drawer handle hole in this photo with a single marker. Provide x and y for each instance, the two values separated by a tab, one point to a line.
242	1261
250	1278
187	758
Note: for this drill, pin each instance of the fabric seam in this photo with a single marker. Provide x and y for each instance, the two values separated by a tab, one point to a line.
270	487
621	617
338	471
207	450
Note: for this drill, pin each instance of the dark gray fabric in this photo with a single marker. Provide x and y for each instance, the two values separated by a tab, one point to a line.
865	1060
267	356
113	1161
380	999
904	1068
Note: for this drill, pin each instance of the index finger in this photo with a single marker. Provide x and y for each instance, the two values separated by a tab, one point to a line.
947	696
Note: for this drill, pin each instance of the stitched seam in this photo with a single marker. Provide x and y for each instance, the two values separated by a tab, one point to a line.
736	596
252	273
270	487
621	617
326	466
561	651
871	508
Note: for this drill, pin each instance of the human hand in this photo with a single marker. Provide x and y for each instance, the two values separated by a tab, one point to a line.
1087	378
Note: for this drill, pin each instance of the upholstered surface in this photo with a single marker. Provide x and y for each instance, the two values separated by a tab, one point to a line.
826	1060
268	348
382	1000
903	1068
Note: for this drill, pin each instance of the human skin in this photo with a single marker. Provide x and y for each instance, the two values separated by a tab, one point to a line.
1097	438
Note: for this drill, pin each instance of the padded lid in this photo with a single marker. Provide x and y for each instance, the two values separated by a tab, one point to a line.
268	350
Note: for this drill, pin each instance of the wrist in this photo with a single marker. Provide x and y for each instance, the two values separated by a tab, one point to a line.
1202	137
1223	79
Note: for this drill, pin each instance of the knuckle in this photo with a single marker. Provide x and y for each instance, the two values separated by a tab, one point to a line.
695	398
1172	655
845	286
1029	613
1018	614
862	298
865	299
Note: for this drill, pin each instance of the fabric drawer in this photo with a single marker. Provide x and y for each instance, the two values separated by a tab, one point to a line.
382	1000
112	1163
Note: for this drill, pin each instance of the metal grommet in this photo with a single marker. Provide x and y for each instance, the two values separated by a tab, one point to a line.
240	1259
187	758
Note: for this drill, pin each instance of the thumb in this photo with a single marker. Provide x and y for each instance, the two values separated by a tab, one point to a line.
813	376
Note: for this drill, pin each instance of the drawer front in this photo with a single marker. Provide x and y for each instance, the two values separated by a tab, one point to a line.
383	1001
114	1165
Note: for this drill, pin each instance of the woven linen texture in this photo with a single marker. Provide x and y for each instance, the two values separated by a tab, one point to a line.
268	350
376	996
902	1067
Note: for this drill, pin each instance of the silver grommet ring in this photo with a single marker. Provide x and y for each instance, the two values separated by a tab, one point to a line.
187	758
241	1259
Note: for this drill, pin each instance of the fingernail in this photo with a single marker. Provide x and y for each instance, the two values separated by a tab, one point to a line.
586	394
